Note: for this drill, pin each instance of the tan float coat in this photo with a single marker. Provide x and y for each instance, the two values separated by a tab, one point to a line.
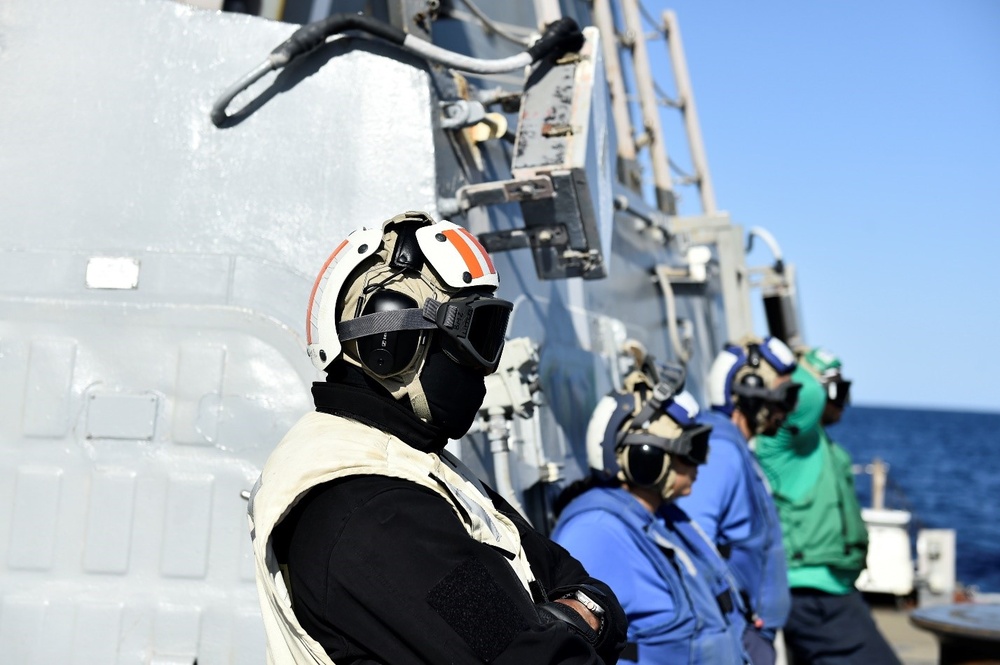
322	447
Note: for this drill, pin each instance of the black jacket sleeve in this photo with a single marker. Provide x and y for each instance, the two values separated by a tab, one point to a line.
381	570
561	574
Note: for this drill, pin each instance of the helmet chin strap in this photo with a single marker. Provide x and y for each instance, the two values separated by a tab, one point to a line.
760	420
402	385
408	385
418	398
668	488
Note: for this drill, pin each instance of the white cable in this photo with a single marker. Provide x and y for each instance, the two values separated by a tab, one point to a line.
465	63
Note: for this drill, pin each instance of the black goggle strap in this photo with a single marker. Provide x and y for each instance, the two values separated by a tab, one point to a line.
691	444
426	318
786	394
377	323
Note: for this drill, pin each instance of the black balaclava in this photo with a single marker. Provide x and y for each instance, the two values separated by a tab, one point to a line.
454	392
350	393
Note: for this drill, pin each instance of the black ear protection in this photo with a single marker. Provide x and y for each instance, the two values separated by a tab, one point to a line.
389	353
838	392
645	459
755	400
640	463
748	402
643	465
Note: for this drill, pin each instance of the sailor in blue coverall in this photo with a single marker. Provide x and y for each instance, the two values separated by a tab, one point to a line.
622	524
751	394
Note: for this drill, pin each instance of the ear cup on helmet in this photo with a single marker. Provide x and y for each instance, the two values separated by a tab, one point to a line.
750	406
644	465
389	353
753	381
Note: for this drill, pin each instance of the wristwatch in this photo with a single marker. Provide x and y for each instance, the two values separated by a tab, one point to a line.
589	603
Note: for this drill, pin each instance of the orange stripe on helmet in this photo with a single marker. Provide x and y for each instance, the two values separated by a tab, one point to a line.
312	296
482	250
462	245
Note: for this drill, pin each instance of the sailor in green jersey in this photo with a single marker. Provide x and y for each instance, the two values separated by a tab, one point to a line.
825	539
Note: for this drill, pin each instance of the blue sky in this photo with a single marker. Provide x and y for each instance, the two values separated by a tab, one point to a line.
866	137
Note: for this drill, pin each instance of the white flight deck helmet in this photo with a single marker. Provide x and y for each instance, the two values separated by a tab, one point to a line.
636	433
384	290
743	376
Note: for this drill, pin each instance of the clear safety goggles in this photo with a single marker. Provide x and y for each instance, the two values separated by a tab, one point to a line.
473	327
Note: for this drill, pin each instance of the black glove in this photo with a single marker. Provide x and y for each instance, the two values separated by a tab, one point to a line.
551	612
611	639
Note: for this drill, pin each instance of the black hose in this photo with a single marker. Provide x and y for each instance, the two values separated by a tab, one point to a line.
314	34
561	36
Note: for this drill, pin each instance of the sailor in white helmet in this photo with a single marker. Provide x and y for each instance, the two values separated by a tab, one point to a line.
372	543
645	447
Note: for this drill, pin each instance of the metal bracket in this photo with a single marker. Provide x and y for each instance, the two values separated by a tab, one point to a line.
459	113
539	236
504	191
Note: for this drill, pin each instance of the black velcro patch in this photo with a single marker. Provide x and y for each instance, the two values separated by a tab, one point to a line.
477	609
630	652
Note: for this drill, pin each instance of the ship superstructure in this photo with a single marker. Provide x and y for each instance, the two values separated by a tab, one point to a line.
155	266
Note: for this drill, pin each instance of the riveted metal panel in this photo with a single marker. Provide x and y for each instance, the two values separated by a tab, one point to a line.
47	387
187	524
21	629
121	416
110	512
138	164
98	625
35	518
177	631
198	392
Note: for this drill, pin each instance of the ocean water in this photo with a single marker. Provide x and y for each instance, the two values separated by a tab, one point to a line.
944	466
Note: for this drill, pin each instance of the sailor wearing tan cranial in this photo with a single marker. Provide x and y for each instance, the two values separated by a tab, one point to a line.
374	544
646	449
